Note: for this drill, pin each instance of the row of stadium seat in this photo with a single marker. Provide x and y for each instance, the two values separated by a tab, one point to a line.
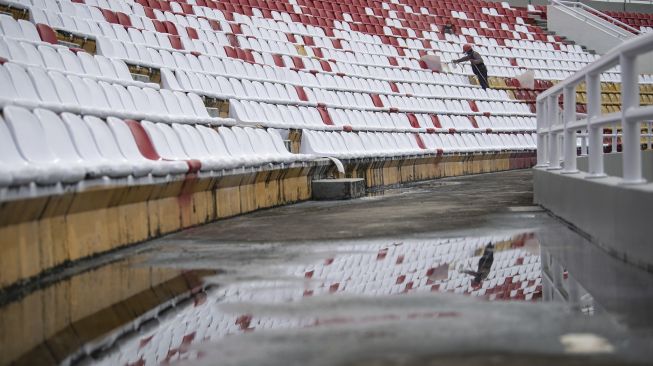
110	149
421	96
275	115
63	60
60	91
47	148
36	87
347	146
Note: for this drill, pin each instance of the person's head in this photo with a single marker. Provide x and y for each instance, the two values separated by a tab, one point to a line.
467	48
449	23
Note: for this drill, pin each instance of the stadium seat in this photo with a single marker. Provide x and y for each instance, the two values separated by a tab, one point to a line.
138	155
32	144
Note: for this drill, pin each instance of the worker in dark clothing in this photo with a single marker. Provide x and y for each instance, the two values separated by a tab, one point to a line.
478	67
448	28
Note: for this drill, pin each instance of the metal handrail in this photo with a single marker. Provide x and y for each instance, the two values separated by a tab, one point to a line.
597	12
592	19
553	125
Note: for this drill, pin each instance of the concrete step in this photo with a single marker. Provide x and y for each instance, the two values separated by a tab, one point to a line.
338	189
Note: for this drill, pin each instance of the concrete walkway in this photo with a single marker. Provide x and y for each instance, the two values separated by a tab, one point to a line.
459	271
445	204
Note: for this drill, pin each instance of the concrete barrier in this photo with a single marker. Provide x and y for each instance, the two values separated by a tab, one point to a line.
338	189
613	215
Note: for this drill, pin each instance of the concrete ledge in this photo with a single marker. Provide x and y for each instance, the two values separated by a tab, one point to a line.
612	164
338	189
615	216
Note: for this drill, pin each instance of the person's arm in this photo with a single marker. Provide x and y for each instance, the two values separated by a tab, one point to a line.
463	59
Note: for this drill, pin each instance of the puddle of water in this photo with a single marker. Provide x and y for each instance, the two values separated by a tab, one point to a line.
288	303
53	322
259	297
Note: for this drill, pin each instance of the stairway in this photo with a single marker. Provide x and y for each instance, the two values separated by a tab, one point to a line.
542	23
585	25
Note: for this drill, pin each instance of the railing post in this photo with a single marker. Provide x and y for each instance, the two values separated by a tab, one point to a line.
614	137
594	133
630	142
569	116
583	144
552	119
541	137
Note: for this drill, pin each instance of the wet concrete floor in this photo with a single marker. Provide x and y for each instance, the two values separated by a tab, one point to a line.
461	271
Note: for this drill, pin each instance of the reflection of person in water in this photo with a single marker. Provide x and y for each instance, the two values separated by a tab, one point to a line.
484	266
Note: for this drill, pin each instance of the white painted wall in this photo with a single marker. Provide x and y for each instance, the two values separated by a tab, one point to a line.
585	29
616	217
599	5
592	32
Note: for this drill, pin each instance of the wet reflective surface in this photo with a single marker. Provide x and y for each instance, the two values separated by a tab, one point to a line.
517	287
421	298
50	323
254	297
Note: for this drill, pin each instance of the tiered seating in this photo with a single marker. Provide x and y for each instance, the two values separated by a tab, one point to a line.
366	144
356	268
236	38
96	135
610	93
611	97
276	71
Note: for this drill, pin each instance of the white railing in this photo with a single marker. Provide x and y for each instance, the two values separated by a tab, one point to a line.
595	12
557	130
627	1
